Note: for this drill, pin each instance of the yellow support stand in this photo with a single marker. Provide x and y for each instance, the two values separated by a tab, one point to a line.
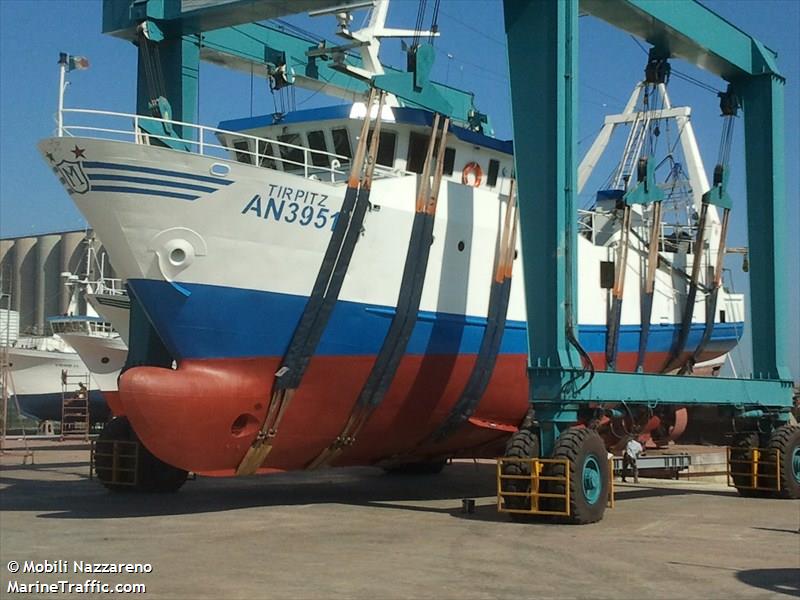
759	470
119	462
611	482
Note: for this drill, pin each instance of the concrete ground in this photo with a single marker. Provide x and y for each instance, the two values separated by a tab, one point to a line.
357	533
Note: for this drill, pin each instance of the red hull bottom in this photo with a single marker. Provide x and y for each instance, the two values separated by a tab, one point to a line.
114	402
203	416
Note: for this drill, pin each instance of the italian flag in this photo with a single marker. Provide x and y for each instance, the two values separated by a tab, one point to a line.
77	62
73	63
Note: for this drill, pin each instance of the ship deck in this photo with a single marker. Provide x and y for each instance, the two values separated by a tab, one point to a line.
357	533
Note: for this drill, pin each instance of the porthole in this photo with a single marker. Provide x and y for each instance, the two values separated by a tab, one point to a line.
105	360
461	246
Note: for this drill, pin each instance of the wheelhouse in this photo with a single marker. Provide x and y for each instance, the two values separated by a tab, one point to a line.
320	143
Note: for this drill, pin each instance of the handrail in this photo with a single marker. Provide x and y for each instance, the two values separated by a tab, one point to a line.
203	147
109	285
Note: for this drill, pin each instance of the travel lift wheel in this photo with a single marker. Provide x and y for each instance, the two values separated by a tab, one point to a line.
152	474
786	439
522	444
588	475
743	444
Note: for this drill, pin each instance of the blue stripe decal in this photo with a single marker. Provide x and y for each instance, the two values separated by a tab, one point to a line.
223	322
148	181
133	190
104	165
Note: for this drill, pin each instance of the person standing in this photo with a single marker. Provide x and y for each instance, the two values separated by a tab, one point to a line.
630	458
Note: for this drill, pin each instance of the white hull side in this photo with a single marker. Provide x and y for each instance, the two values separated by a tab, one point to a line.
228	245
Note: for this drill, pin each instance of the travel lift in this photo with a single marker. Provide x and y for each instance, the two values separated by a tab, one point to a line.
542	50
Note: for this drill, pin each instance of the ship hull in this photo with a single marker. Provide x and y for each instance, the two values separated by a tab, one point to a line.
203	415
223	273
36	382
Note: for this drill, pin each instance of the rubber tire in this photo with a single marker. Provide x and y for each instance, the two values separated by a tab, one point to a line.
157	476
433	467
742	443
786	439
577	445
522	444
153	475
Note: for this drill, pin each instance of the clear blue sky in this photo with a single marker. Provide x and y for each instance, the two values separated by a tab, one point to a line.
471	55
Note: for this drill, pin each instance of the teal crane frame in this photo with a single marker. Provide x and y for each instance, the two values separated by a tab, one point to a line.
542	53
228	34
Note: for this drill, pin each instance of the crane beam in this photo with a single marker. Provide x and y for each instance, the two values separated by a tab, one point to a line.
244	45
186	17
689	31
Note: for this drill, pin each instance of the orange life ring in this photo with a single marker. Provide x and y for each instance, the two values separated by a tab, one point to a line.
475	170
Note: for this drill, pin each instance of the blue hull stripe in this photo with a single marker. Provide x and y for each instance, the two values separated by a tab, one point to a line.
223	322
147	192
47	407
154	171
148	181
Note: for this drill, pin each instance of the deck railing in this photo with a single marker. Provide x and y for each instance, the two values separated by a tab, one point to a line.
110	285
213	142
88	325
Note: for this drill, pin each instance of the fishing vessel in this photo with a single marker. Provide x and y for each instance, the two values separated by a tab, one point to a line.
222	235
39	366
101	352
83	349
100	338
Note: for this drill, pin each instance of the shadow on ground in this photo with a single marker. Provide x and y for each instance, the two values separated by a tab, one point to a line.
82	498
778	581
362	486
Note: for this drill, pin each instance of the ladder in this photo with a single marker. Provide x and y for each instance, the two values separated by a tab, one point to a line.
74	406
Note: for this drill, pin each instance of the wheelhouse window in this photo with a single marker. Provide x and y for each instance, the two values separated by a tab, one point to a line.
243	156
266	155
293	155
449	160
316	141
494	169
386	148
417	149
341	142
